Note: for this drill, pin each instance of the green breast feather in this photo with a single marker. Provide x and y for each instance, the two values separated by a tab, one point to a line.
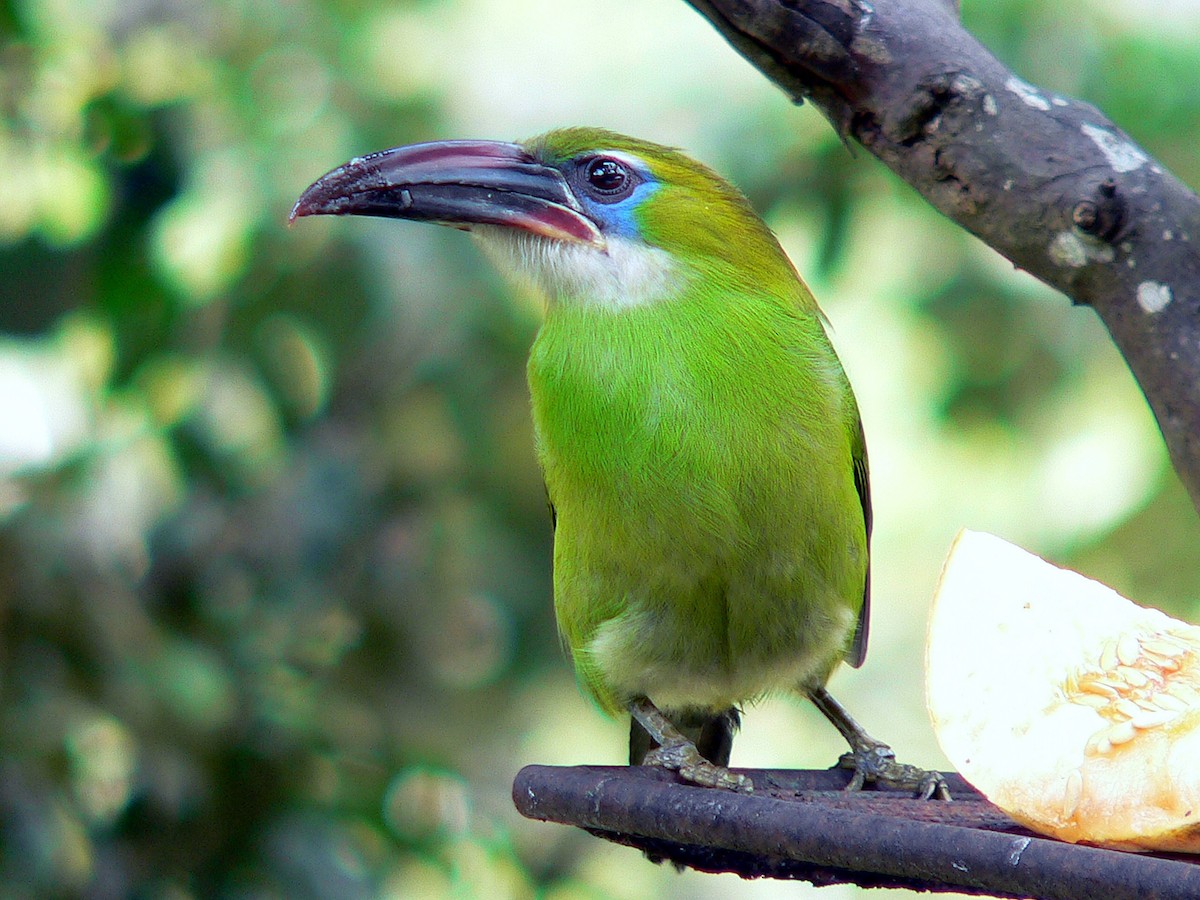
710	545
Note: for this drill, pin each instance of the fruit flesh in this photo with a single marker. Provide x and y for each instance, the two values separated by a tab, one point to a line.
1068	706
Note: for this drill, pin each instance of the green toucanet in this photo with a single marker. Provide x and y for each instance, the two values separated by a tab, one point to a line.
701	446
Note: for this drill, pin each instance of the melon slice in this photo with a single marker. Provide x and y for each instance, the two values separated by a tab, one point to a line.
1072	709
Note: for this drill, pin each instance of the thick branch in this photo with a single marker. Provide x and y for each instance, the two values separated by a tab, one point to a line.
802	825
1045	180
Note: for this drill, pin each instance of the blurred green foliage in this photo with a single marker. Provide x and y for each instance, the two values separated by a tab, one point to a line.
274	558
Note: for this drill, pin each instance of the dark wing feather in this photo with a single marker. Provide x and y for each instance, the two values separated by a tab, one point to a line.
862	483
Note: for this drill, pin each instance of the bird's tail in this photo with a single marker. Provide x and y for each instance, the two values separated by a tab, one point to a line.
712	734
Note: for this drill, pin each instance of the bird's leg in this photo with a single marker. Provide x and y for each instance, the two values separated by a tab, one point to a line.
677	753
874	760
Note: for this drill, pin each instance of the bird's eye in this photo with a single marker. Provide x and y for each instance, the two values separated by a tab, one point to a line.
609	179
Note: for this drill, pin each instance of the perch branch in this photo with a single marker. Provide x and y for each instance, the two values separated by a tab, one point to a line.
802	825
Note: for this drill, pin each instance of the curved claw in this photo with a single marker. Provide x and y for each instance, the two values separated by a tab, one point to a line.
876	763
933	786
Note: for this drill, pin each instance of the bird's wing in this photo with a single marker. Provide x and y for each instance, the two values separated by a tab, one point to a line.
857	651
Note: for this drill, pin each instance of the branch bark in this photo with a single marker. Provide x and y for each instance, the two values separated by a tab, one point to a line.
1047	181
804	825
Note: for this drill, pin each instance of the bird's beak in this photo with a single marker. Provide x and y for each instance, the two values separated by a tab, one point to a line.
460	183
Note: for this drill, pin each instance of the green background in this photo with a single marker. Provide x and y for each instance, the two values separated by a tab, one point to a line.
275	608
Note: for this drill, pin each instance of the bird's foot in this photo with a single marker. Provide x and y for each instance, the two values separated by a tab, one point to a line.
874	762
677	753
684	758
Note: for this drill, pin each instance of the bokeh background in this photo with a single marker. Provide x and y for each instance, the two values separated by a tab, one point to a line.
274	557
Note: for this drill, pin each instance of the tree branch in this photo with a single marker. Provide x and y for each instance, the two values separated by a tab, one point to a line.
1045	180
804	825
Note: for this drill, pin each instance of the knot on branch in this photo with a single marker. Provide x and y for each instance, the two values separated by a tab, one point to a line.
1101	216
920	117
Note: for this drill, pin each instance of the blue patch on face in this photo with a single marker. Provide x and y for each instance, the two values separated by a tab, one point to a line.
618	218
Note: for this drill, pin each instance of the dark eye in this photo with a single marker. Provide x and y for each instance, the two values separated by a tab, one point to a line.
609	179
606	175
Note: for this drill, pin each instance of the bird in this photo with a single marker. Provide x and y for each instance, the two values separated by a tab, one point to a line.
702	449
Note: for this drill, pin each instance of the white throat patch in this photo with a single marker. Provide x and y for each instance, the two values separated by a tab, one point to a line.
620	275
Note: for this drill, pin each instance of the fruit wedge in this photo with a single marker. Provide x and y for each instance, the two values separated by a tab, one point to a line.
1074	710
